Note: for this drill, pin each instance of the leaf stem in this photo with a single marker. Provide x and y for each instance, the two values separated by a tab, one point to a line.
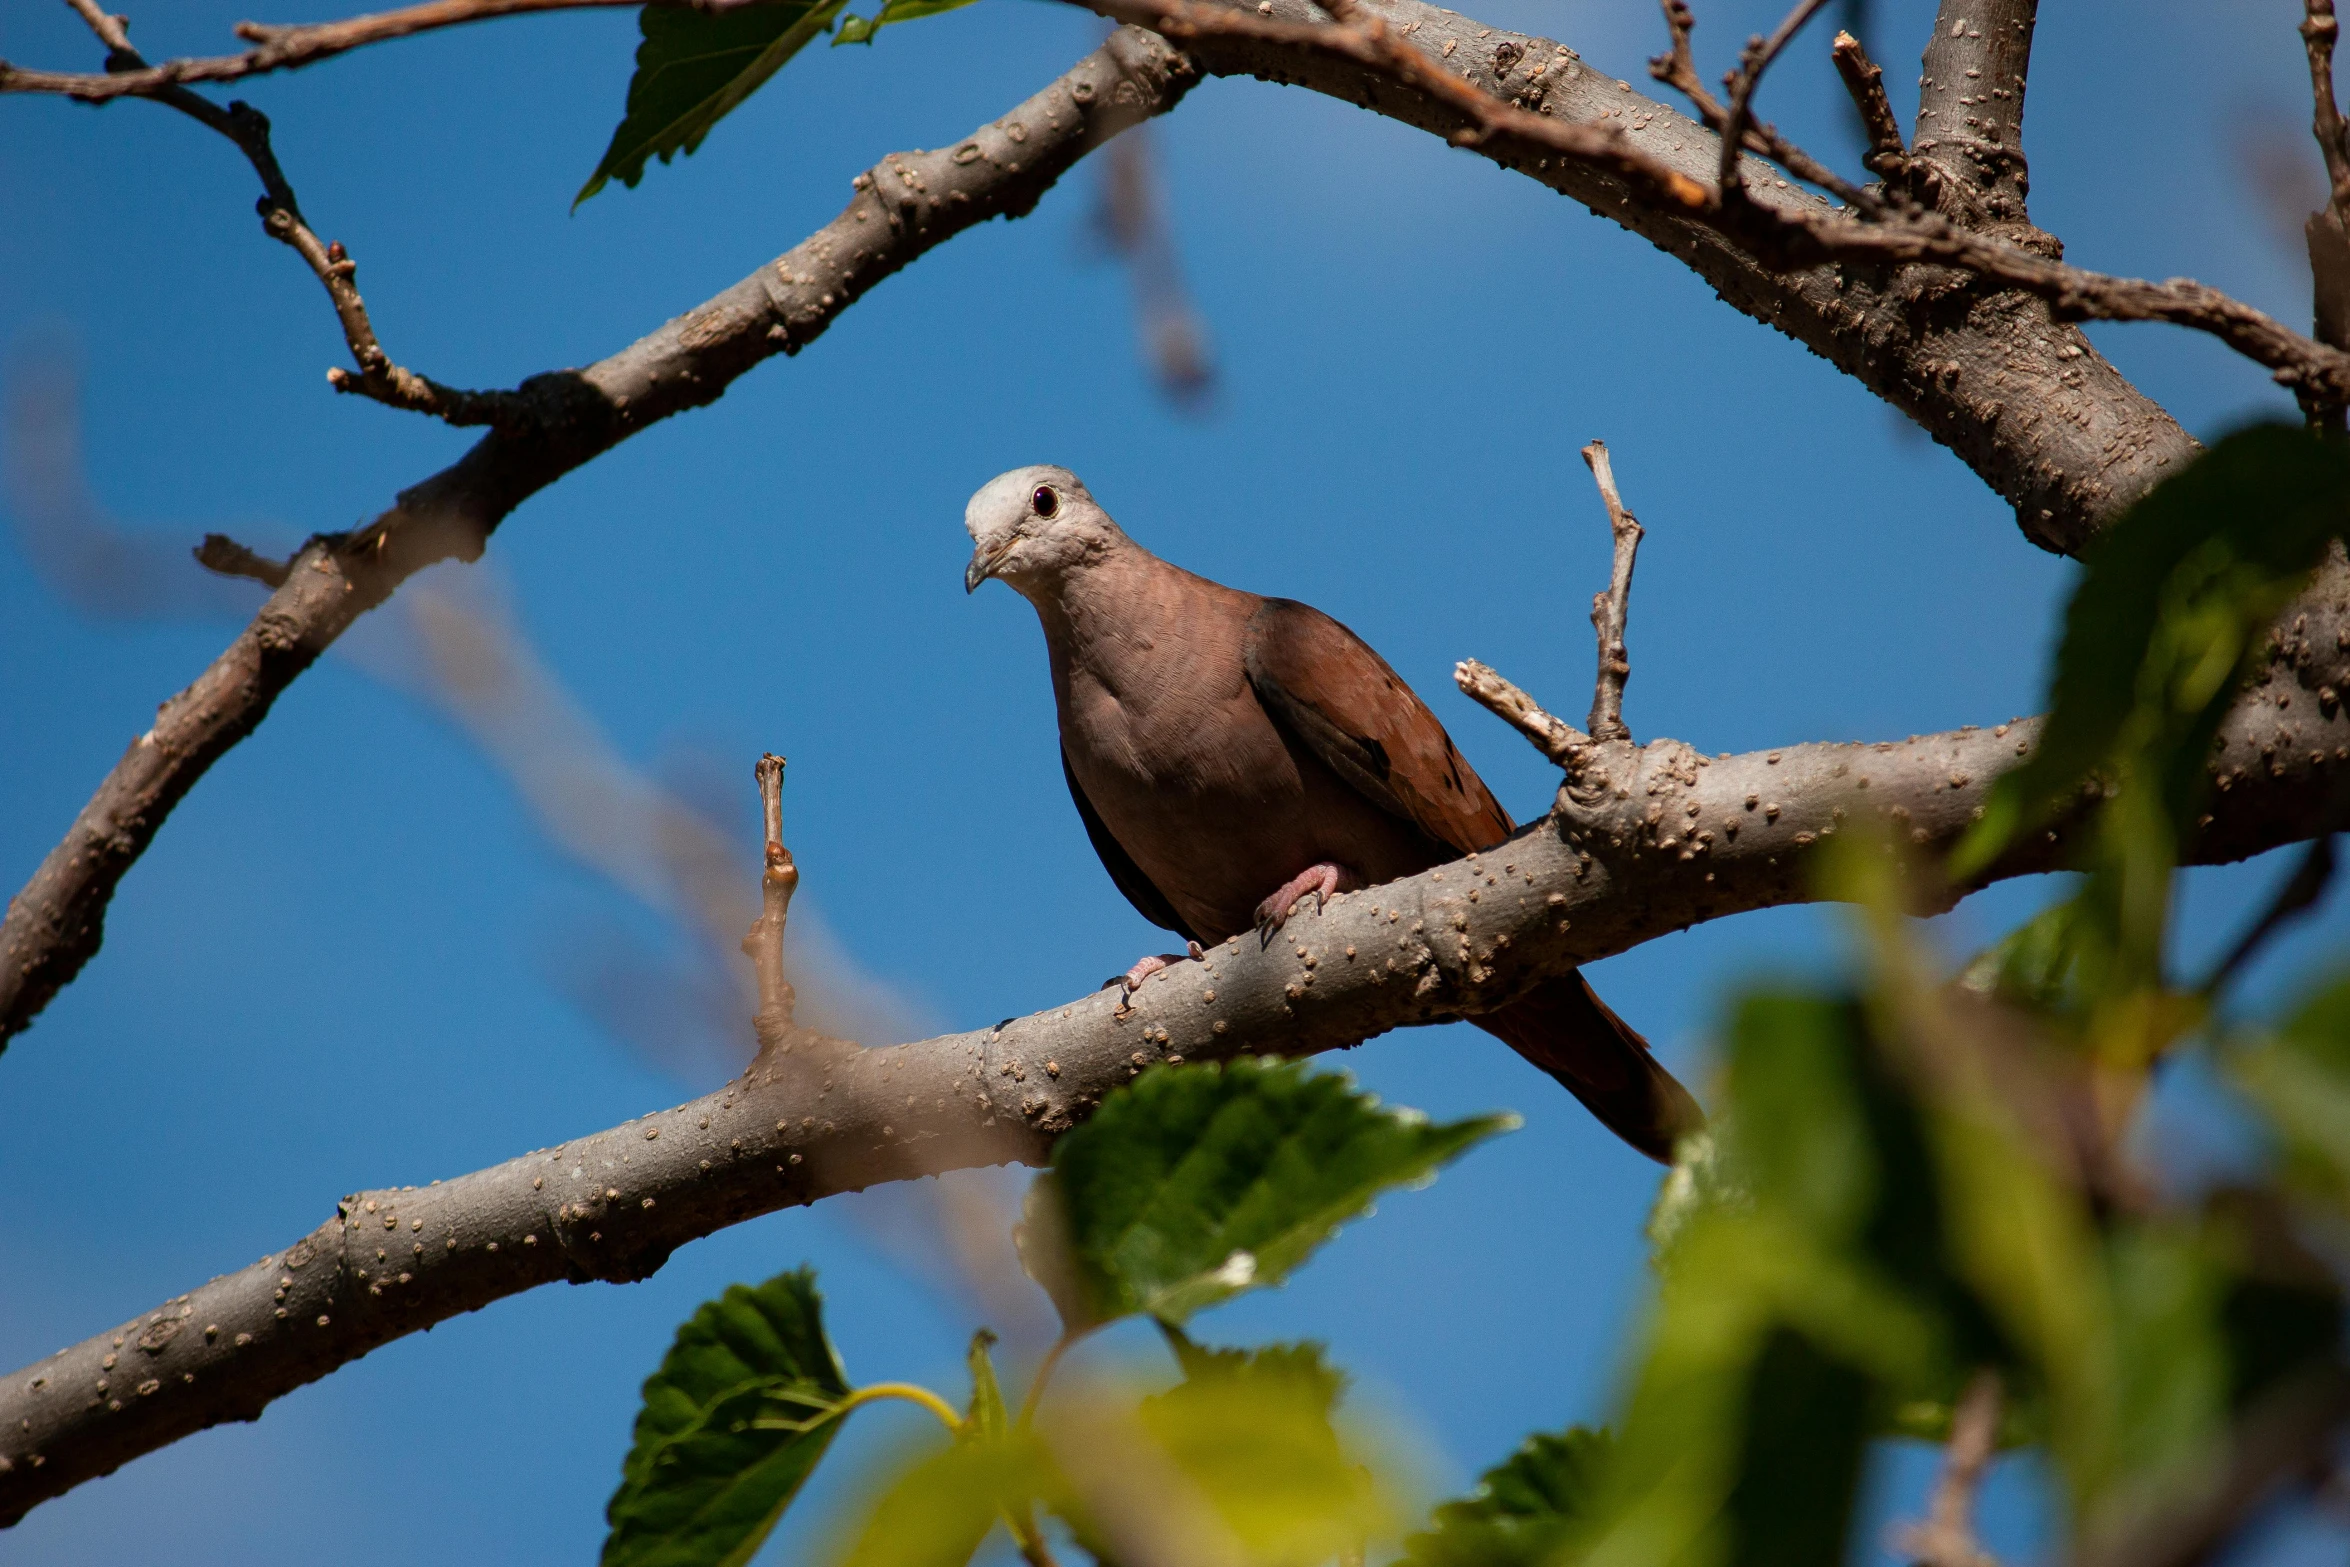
911	1393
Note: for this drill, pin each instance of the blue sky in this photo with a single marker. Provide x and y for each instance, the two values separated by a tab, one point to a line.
340	965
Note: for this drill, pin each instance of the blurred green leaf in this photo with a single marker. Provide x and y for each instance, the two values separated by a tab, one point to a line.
986	1417
1300	1365
1527	1511
2035	965
1805	1434
743	1406
1253	1434
1194	1183
692	70
2176	598
2299	1074
938	1508
860	29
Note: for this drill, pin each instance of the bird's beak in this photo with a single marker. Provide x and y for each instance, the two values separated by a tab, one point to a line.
983	565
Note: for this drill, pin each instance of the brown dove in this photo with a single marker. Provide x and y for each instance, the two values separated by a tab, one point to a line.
1232	755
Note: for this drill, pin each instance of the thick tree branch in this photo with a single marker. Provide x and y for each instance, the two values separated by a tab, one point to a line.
1992	373
1968	154
1645	840
903	206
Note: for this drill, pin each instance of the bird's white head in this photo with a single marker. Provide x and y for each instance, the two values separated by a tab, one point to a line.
1032	527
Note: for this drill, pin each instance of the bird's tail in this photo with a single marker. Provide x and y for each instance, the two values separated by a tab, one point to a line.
1565	1029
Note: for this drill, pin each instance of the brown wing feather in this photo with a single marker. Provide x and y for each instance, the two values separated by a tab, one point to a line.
1327	687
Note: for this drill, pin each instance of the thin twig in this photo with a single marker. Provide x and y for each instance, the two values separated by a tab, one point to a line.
1947	1538
1554	737
285	48
764	944
226	556
2319	31
1612	611
2296	897
1755	59
1864	79
282	220
1677	68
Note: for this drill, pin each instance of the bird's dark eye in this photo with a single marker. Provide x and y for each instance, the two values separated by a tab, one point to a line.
1045	502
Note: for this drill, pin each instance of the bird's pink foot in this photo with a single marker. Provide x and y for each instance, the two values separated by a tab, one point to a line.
1324	881
1145	967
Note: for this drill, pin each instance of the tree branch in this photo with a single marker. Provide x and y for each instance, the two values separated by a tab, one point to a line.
281	219
904	206
286	48
2327	232
1644	841
1611	611
1864	81
1968	154
2018	394
1947	1538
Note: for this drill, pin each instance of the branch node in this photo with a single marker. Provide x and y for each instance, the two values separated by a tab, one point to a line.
1612	610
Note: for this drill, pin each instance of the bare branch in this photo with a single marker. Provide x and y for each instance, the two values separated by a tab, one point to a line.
1662	838
285	48
225	555
282	220
764	945
1947	1538
1959	356
1554	737
1864	79
1745	81
1611	611
1969	147
2327	231
1783	235
904	206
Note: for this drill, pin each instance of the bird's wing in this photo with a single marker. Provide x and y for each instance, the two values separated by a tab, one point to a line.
1338	698
1148	901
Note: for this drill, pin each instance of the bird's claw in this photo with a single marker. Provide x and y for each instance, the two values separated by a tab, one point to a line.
1324	881
1145	967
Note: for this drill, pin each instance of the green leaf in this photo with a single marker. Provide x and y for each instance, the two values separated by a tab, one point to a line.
1527	1511
692	70
2175	599
860	30
1194	1183
986	1418
744	1404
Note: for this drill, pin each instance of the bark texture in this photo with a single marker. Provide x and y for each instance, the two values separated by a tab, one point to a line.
1648	840
903	206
